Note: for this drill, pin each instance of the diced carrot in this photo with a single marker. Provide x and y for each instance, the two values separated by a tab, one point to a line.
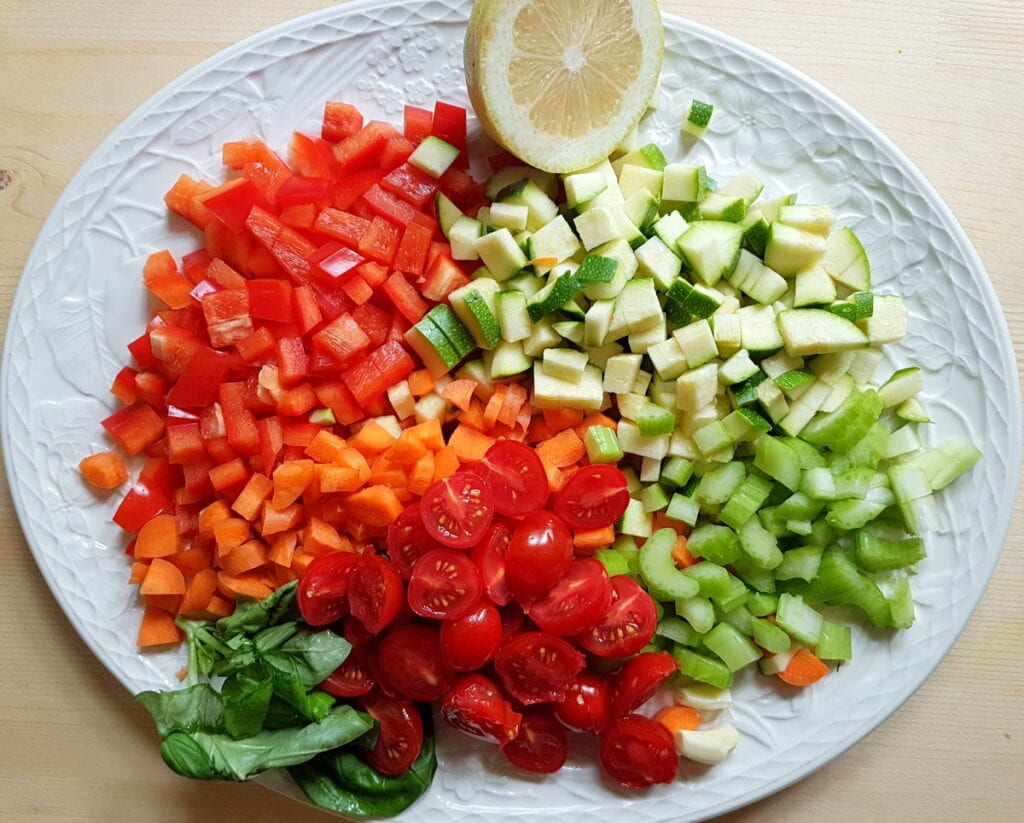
250	555
407	449
218	510
371	439
590	539
282	548
428	433
422	474
283	575
158	537
276	520
804	669
544	261
138	574
493	407
198	593
170	603
515	397
560	419
291	479
157	628
556	477
194	559
460	393
219	606
320	538
230	534
249	584
524	417
325	446
540	430
469	445
250	499
474	416
338	479
681	553
300	560
350	458
384	472
374	506
595	419
564	449
421	382
104	470
679	718
446	463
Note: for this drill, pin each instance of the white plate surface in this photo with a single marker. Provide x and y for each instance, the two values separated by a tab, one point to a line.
81	300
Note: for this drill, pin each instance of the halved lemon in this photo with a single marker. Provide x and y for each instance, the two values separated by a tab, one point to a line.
561	83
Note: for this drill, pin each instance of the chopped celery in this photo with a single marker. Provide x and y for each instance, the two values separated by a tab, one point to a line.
757	579
770	637
713	579
719	544
731	646
874	554
717	486
698	612
778	461
664	580
761	604
678	631
613	561
653	498
798	619
702	668
684	509
835	642
736	596
801	563
745	500
676	472
759	545
602	445
867	597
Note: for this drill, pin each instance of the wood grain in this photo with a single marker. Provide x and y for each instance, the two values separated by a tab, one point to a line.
940	77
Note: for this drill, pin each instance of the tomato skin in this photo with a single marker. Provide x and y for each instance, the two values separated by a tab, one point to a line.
469	642
627	626
409	663
408	540
587	706
541	745
516	477
639	679
375	592
577	601
457	510
489	555
445	585
323	588
593	497
638	752
536	667
352	678
400	736
538	555
476	706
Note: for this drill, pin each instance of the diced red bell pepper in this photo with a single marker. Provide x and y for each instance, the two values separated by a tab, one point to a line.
305	190
227	316
184	443
211	423
270	299
464	191
341	120
226	476
161	276
332	302
297	401
141	350
405	298
159	475
388	206
139	506
378	371
134	427
450	125
362	149
197	476
353	186
381	241
336	261
395	152
197	386
152	388
411	257
336	396
123	387
306	310
409	183
288	247
374	322
271	441
300	216
292	360
267	179
342	338
374	274
239	422
240	153
357	289
312	157
203	288
181	199
231	202
190	320
194	264
257	346
417	124
342	226
224	275
443	277
502	159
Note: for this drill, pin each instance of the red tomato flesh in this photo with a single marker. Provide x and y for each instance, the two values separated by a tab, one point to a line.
538	555
638	752
541	745
593	497
444	585
536	667
516	477
476	706
457	510
577	601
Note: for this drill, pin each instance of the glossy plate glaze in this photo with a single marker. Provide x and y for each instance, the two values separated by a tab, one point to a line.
81	300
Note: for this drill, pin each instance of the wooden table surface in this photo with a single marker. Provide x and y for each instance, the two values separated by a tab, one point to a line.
940	77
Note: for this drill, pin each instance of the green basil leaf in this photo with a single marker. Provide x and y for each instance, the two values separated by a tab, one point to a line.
197	708
251	615
246	697
309	656
313	705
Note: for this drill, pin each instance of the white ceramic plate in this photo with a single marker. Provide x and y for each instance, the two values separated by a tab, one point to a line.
81	300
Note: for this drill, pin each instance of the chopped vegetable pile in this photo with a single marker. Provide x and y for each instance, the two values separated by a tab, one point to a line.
525	451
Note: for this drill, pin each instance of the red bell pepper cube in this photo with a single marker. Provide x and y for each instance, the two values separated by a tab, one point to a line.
197	385
464	191
181	199
335	261
224	275
411	257
152	389
184	443
353	186
443	277
312	157
417	124
306	310
123	387
450	125
134	427
227	316
197	476
374	274
362	149
357	289
374	322
227	475
241	153
378	371
405	298
381	241
194	264
502	159
288	247
270	299
141	350
342	226
231	202
336	396
342	338
162	278
271	441
300	216
341	120
409	183
257	346
395	152
332	302
292	360
159	475
139	506
388	206
297	401
267	179
304	190
239	422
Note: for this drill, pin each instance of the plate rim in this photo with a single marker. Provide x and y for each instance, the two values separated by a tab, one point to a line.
770	62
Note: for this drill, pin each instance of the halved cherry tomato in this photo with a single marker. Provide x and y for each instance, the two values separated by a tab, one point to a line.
593	497
627	626
588	703
516	477
375	592
409	663
444	585
577	601
470	641
638	752
409	540
400	733
537	667
541	745
476	706
489	557
639	679
322	591
538	555
457	510
352	678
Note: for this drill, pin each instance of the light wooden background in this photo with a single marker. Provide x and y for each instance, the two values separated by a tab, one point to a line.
940	77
